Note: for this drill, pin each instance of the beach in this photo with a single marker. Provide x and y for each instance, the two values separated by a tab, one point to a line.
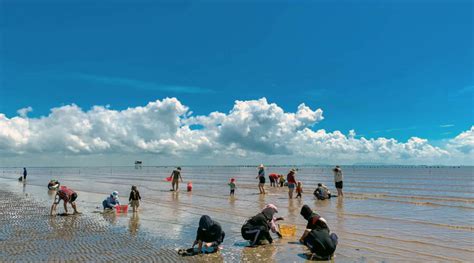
388	214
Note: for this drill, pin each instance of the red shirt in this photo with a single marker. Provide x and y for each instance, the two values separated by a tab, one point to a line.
291	178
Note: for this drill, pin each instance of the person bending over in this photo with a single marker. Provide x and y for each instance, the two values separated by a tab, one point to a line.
68	196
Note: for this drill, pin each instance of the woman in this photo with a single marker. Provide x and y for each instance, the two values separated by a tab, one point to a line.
257	228
291	179
316	236
261	179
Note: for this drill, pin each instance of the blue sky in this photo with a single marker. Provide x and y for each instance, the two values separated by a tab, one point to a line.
384	68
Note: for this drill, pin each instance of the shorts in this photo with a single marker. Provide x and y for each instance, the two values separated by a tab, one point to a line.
135	203
339	185
291	186
261	180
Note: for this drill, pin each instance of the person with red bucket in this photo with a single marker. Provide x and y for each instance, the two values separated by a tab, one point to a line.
111	201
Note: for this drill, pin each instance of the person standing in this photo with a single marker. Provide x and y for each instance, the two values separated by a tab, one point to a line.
261	179
290	178
338	178
134	198
176	177
25	173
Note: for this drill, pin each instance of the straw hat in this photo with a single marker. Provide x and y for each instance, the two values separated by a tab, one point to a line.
261	166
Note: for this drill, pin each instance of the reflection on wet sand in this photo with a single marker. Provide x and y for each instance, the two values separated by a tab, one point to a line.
110	216
134	224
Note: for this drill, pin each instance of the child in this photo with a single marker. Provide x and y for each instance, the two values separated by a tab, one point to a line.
299	189
232	186
282	180
190	186
134	199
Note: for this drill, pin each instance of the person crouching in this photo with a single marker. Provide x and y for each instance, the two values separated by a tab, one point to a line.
257	229
111	201
209	235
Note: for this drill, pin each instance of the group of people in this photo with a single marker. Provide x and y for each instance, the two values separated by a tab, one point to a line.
257	230
67	195
322	191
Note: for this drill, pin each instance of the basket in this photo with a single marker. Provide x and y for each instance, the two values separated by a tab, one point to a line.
121	208
287	230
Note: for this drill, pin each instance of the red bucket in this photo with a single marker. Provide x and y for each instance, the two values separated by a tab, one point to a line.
121	208
168	179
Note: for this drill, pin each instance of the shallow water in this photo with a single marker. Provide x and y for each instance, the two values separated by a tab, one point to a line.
387	214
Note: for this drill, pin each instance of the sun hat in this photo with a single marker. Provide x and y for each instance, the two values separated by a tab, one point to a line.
115	193
261	166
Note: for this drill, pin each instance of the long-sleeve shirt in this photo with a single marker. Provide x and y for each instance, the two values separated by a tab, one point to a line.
134	195
214	234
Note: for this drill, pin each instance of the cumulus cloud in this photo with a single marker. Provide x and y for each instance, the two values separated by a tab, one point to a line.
464	142
254	129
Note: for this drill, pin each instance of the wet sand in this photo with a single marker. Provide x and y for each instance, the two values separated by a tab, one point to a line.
29	234
387	215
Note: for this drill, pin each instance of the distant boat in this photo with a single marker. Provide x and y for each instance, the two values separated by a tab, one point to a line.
138	164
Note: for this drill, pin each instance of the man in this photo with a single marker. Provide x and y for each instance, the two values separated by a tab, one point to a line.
175	177
209	235
25	173
338	180
68	196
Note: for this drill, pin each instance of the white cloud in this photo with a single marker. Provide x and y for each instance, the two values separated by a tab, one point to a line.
464	142
252	130
24	111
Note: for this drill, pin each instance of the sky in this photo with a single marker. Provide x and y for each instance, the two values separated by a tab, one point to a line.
364	70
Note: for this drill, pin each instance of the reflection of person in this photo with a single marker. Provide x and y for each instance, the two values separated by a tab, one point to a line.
111	201
290	178
134	224
317	235
134	198
209	235
176	177
322	192
25	173
68	196
338	178
257	228
261	179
